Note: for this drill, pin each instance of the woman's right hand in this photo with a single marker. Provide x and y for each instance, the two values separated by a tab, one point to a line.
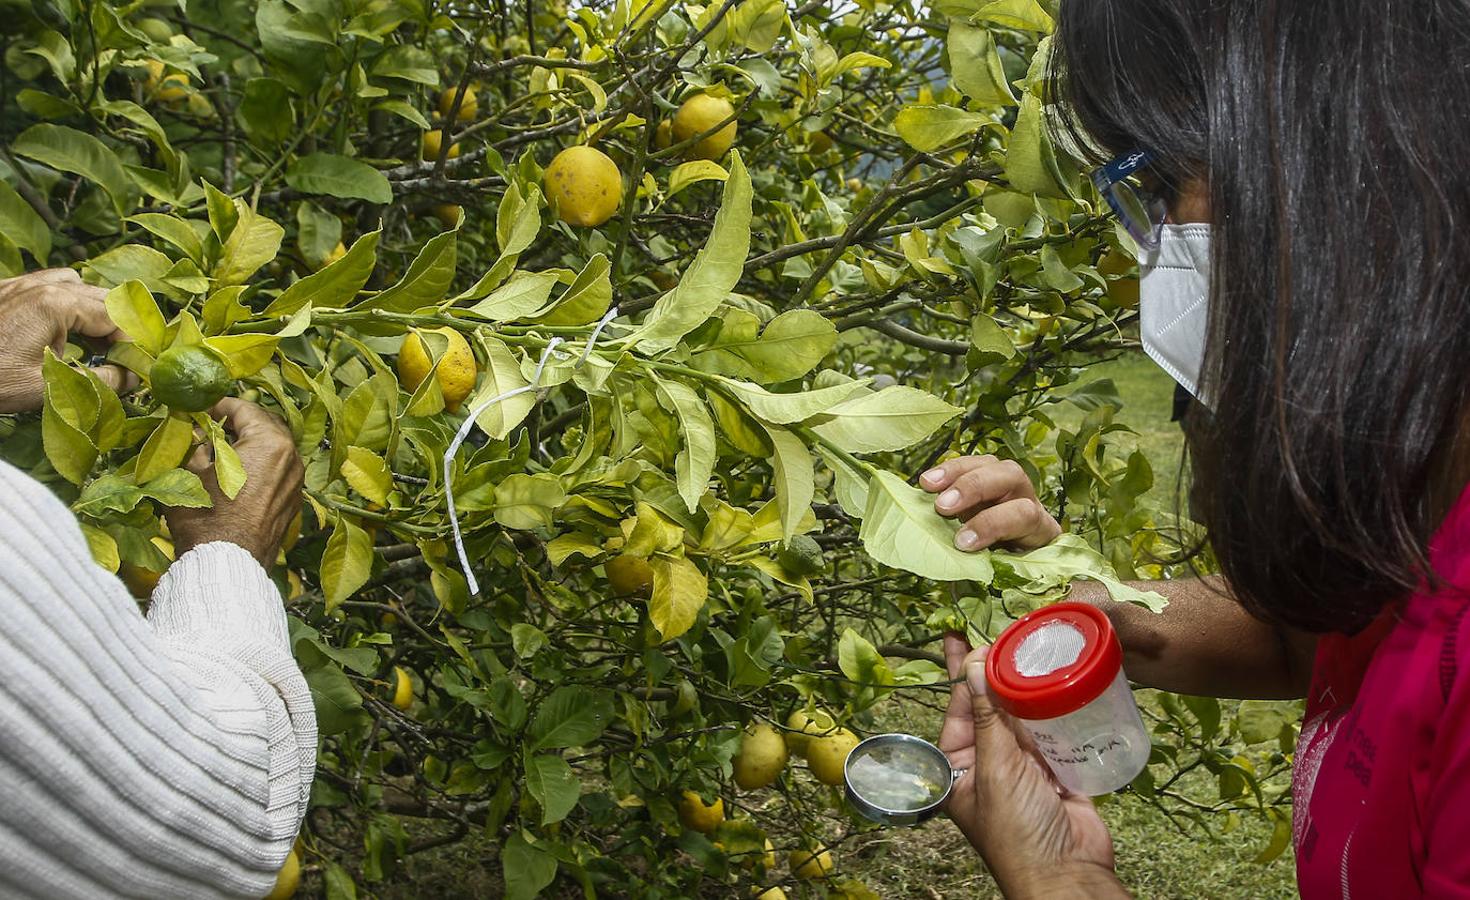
995	502
1038	839
259	515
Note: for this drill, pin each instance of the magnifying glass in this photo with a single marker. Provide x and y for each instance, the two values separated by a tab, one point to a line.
898	779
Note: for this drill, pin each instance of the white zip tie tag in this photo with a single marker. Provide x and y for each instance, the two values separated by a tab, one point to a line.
469	424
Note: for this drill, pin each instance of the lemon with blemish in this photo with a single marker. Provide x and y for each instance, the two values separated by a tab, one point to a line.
827	756
584	186
457	370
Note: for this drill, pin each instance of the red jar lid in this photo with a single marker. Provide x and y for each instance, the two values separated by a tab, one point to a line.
1064	690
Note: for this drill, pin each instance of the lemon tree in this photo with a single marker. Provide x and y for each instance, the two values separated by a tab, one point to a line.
677	415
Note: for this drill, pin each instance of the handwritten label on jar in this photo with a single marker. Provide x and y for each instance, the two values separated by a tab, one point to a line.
1092	750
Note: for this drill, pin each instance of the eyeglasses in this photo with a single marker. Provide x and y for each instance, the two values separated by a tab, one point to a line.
1141	211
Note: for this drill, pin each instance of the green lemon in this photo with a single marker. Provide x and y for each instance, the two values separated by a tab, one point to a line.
190	378
802	555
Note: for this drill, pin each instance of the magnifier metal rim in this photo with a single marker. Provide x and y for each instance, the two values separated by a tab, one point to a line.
898	816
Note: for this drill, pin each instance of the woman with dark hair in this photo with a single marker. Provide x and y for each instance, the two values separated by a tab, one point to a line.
1304	213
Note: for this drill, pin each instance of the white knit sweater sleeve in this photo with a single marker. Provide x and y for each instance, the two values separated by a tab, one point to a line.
159	758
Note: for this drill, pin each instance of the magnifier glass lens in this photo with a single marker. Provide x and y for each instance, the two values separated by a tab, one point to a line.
898	775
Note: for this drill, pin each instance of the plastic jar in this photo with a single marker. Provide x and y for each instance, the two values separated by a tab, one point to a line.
1059	670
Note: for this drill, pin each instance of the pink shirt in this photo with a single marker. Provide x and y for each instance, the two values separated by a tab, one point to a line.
1382	770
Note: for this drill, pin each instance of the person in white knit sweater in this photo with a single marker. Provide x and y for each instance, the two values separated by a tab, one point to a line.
170	756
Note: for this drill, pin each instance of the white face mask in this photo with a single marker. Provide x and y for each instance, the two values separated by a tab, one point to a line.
1174	302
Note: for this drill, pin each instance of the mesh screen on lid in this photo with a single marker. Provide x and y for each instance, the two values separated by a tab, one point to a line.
1053	646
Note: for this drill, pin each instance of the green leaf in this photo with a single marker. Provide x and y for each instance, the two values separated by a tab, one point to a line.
367	473
23	225
172	229
347	561
528	870
1022	15
339	176
793	344
108	494
693	172
902	530
1259	721
987	336
178	487
860	661
975	65
587	299
527	501
1031	163
757	24
426	281
335	286
927	128
849	483
502	374
713	274
552	782
795	486
680	590
891	419
569	717
695	463
338	704
228	470
165	448
1068	558
133	262
135	312
1055	273
787	409
69	150
266	112
254	241
524	296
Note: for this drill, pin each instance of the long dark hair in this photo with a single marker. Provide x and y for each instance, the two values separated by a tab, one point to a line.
1332	136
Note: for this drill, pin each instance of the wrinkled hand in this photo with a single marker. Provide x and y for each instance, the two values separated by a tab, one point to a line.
1037	838
259	515
39	310
995	502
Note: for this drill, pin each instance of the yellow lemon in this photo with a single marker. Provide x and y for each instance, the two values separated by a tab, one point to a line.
629	575
334	254
818	142
584	186
807	865
695	814
699	114
469	106
854	184
761	758
448	214
827	756
402	689
457	369
803	724
774	893
294	587
287	879
663	135
168	88
433	140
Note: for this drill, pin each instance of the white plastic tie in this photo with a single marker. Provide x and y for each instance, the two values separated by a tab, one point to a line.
469	423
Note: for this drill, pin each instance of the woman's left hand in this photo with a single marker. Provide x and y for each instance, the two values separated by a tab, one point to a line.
40	310
1038	839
